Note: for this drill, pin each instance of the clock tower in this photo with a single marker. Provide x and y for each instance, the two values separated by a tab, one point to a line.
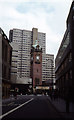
36	65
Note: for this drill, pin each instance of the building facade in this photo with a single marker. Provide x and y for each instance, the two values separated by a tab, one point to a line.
14	62
49	73
24	39
63	61
22	42
70	25
6	64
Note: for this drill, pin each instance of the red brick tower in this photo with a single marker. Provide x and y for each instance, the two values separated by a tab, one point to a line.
36	65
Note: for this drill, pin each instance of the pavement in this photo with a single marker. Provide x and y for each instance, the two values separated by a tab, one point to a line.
60	105
10	99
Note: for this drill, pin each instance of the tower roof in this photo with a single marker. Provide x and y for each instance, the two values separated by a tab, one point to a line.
36	46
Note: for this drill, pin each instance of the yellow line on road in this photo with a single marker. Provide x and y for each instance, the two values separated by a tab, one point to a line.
10	103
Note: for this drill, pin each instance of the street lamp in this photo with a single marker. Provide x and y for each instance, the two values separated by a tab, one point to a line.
30	85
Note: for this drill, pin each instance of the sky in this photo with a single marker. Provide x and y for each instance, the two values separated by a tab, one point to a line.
49	16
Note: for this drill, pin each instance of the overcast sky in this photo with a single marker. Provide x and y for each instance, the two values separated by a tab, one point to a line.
49	16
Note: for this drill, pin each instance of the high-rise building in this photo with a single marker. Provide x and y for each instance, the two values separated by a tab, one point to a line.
22	41
49	73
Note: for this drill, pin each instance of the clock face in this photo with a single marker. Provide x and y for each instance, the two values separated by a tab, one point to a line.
37	57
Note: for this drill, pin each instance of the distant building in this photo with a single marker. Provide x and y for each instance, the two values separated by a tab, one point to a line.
21	42
6	64
63	61
24	39
49	72
14	62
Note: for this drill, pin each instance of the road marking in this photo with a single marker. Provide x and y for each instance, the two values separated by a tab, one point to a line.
10	103
15	108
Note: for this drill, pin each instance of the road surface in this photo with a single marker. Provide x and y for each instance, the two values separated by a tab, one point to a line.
29	107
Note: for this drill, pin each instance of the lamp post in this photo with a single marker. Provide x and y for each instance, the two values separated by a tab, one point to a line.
30	85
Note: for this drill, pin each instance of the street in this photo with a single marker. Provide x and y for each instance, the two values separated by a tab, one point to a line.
29	107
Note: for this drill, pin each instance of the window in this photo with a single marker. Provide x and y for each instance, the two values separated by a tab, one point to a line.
4	71
36	81
10	56
9	74
6	51
3	46
71	74
66	76
70	57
